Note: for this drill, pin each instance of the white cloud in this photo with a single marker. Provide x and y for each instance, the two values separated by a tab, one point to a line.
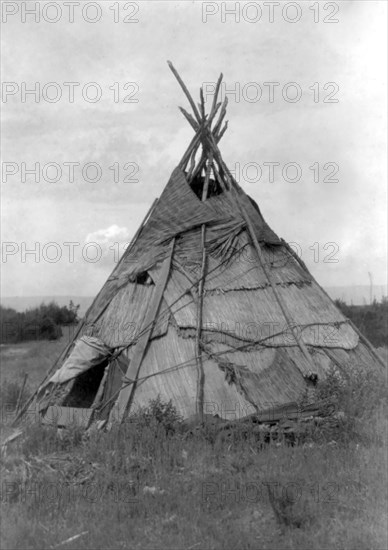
108	244
108	236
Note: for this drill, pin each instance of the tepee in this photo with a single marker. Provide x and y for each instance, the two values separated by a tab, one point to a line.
208	307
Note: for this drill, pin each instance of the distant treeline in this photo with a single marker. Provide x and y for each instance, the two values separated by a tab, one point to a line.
371	320
40	323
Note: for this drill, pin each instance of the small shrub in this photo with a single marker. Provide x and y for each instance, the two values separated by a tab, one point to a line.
354	391
353	395
158	414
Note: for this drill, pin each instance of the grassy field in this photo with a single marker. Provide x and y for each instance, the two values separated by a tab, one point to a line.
142	487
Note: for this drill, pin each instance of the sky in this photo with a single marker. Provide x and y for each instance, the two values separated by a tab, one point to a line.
104	133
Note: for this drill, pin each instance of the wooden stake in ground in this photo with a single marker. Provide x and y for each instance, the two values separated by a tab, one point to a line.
21	393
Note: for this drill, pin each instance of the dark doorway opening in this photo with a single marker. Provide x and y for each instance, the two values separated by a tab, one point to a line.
85	387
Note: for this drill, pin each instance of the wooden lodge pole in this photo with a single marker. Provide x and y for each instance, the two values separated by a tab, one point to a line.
282	306
126	395
198	348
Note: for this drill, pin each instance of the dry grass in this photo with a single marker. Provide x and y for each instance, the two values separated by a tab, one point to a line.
34	358
145	488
